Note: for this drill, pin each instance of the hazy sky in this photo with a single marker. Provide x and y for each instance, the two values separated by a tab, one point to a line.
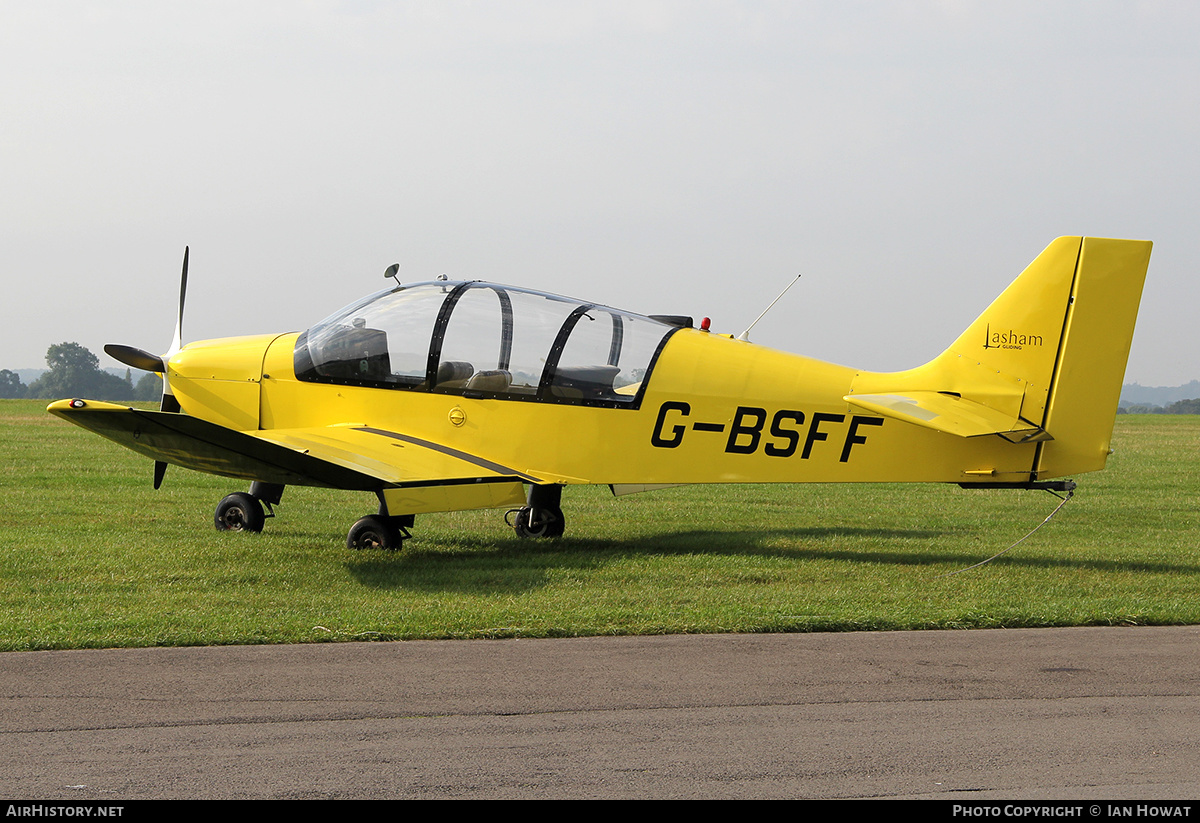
909	158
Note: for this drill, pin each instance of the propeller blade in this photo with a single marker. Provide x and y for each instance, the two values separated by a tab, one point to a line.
177	343
169	403
137	358
144	360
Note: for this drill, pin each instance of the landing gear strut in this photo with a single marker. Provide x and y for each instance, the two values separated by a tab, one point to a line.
243	512
543	516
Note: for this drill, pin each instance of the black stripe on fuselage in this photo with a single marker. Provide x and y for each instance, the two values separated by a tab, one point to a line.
461	455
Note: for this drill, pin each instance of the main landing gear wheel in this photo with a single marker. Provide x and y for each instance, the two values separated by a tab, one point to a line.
239	512
376	532
542	516
532	522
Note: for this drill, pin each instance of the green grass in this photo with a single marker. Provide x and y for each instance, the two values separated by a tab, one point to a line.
91	556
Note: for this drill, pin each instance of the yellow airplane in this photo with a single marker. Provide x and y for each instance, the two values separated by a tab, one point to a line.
449	395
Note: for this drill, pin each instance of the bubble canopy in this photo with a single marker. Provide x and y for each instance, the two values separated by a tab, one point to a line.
481	339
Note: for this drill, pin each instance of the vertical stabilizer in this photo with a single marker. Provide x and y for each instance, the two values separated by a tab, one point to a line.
1090	369
996	377
1019	335
1042	365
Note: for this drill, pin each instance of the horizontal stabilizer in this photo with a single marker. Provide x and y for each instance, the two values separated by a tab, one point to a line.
949	413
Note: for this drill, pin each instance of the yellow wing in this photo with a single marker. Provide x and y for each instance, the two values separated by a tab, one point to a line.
341	457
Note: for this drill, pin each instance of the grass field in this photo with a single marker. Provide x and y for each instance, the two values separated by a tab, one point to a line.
91	556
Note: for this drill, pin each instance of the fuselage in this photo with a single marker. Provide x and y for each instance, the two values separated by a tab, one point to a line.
698	408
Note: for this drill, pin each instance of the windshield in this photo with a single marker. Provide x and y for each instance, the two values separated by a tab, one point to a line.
483	339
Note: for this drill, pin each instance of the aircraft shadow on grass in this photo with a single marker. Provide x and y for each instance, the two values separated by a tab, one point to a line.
514	567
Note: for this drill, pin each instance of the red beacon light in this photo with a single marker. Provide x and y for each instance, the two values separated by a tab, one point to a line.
705	323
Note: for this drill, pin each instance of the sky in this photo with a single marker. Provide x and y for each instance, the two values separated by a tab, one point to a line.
907	158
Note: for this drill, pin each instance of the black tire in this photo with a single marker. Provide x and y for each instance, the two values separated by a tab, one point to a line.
374	532
239	512
547	523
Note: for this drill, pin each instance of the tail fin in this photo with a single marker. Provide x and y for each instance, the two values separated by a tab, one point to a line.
1090	369
1044	363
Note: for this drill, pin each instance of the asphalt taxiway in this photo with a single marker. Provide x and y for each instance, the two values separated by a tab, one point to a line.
1081	713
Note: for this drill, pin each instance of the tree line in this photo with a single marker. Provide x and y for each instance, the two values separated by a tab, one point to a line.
1178	407
75	372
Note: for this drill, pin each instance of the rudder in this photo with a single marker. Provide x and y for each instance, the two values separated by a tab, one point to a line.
1090	368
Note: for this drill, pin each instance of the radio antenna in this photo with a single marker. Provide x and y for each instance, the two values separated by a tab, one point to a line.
745	336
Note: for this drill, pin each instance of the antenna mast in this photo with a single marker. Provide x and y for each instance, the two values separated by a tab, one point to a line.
745	336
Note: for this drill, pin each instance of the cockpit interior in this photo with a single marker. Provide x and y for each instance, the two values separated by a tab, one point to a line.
486	340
